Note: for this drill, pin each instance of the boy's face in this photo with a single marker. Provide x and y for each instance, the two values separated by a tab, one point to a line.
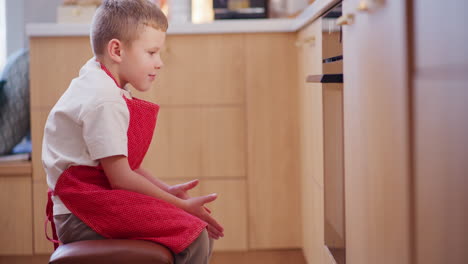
142	60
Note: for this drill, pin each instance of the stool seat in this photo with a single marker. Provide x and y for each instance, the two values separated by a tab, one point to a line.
112	251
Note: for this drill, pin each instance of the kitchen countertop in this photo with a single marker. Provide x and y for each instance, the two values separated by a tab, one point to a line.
312	12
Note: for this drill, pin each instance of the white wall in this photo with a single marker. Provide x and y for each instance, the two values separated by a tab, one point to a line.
15	31
21	12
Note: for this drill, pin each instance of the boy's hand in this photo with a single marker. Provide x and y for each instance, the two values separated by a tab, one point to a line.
181	190
195	206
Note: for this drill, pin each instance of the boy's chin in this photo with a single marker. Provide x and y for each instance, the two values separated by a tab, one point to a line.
142	88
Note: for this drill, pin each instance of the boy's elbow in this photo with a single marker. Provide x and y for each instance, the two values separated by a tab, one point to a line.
117	181
115	185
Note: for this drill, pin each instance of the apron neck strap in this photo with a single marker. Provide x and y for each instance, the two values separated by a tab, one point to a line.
103	67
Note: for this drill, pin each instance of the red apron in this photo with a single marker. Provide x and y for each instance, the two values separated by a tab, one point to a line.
121	214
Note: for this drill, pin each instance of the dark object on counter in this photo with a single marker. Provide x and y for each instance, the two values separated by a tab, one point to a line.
14	107
240	9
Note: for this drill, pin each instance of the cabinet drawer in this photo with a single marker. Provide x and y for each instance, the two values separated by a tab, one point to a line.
230	210
309	43
194	142
440	39
16	216
200	69
54	62
441	137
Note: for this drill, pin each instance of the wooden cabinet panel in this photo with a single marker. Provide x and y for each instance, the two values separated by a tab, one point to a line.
440	38
310	104
175	151
309	43
41	244
201	69
376	125
230	209
38	120
223	142
311	142
51	74
333	165
313	230
194	142
328	257
441	200
272	129
16	217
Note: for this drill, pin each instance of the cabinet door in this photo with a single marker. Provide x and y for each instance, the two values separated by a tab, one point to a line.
41	244
54	62
441	171
440	37
376	119
310	103
272	140
16	217
195	142
311	140
230	210
200	70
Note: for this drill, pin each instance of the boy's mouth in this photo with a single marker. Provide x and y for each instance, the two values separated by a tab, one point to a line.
152	76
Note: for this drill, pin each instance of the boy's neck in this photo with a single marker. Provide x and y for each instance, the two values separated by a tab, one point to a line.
112	67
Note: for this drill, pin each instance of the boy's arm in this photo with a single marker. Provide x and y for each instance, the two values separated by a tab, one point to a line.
179	190
122	177
152	179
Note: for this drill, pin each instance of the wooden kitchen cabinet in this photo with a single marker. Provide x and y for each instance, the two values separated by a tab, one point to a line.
54	62
193	142
200	70
232	215
321	135
440	92
441	129
309	42
16	204
376	125
272	141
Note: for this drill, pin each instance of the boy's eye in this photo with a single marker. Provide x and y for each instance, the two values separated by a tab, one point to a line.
152	52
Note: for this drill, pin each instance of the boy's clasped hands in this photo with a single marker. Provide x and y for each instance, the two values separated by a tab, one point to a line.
196	206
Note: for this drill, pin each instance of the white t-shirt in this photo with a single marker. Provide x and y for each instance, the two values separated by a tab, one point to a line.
89	122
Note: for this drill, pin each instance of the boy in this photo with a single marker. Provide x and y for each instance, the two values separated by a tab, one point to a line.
96	137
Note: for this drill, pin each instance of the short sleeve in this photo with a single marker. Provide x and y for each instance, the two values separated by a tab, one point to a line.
105	130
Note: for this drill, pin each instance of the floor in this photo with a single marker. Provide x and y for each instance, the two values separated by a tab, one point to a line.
259	257
250	257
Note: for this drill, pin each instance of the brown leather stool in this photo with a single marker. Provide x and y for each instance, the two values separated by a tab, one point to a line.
112	251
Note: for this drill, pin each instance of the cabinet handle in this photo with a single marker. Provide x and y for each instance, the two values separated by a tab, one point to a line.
367	5
325	78
363	6
309	40
346	19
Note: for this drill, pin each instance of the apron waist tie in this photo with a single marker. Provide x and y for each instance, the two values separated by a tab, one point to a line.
50	218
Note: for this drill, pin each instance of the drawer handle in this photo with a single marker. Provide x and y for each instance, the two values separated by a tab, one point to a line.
363	6
325	78
346	19
367	5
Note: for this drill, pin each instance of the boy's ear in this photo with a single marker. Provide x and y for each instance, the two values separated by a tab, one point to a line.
114	50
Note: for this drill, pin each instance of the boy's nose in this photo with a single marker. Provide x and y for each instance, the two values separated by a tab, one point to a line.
159	64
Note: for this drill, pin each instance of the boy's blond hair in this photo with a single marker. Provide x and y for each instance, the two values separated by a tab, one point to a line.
123	20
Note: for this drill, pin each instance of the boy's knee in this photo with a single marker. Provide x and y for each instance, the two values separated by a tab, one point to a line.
198	252
202	248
